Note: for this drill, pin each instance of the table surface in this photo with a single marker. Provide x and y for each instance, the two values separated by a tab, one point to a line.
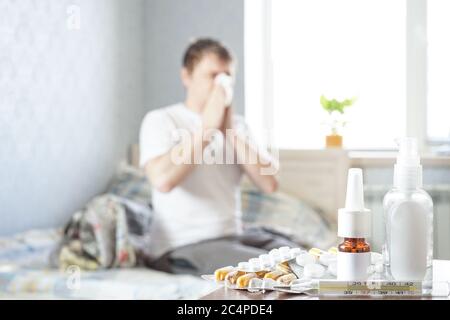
441	272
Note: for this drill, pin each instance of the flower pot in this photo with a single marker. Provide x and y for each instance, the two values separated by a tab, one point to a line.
334	141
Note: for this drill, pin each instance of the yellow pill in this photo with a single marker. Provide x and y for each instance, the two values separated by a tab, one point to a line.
243	281
333	250
274	274
232	276
261	274
316	252
221	273
287	278
284	267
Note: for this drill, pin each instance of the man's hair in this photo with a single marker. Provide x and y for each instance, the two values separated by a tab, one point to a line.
198	48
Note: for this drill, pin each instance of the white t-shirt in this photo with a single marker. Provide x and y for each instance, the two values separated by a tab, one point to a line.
206	204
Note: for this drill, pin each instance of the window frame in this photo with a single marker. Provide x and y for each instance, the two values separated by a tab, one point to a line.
416	70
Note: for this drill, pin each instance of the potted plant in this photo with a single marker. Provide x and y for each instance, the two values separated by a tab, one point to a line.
336	122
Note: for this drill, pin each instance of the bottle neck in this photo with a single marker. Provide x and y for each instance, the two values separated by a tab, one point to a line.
407	177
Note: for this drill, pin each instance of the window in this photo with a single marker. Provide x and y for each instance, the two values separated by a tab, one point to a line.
297	50
438	63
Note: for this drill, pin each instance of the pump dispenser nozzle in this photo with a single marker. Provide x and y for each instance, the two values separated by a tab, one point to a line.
354	219
407	170
354	200
407	152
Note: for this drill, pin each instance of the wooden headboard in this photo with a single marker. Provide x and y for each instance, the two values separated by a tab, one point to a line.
318	177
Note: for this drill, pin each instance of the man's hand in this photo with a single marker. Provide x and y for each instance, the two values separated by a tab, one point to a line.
256	169
227	121
214	113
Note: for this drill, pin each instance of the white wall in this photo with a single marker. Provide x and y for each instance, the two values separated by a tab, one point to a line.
170	25
71	102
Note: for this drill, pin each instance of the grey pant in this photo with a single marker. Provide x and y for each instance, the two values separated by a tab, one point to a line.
206	256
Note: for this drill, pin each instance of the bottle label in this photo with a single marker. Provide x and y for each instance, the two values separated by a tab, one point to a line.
408	241
352	266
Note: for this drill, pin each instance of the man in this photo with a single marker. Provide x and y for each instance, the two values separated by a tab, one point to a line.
196	227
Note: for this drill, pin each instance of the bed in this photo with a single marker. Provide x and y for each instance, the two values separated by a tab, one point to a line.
316	177
25	274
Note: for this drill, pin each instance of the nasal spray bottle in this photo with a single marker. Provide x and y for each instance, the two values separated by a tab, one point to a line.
354	225
408	219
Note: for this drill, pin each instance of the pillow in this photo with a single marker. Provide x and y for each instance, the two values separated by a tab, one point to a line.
288	215
139	218
132	184
110	231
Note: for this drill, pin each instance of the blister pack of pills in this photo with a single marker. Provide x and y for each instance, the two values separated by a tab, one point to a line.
271	267
283	267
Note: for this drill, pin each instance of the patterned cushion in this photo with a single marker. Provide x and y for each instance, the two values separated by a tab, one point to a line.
131	183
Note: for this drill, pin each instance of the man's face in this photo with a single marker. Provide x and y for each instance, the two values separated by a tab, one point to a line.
200	81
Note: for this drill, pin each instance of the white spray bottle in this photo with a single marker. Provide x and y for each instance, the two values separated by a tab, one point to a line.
354	226
408	219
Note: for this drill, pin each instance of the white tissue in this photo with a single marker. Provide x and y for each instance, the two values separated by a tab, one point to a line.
226	82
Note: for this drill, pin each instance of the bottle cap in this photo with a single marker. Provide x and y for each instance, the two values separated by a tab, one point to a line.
407	170
354	220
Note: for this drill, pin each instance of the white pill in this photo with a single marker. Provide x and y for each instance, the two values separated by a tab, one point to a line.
332	268
286	256
254	263
243	265
295	252
276	258
284	250
285	253
265	260
326	258
305	258
376	257
264	257
313	270
274	252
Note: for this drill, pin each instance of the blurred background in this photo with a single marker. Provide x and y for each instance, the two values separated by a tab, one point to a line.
77	78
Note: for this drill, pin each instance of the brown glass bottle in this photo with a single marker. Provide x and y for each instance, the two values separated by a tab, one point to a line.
354	245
